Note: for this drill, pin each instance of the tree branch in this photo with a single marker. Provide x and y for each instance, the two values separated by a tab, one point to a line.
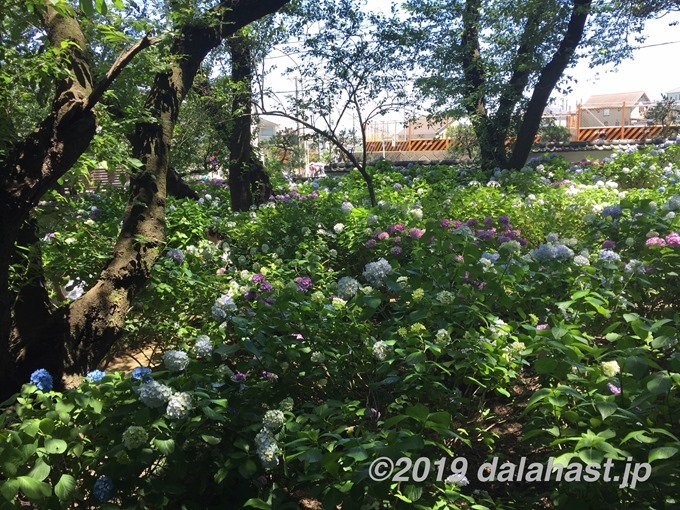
121	62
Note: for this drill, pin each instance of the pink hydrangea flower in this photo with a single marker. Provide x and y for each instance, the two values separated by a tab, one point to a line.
415	233
655	241
673	239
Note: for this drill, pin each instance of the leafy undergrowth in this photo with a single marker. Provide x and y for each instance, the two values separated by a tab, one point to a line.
470	321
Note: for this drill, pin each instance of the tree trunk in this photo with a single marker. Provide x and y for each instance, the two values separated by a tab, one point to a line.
248	182
549	77
490	141
79	335
178	187
33	166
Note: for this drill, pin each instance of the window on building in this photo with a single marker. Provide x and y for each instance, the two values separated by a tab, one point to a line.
605	112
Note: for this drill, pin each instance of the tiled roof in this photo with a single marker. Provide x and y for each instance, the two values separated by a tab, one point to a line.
618	98
603	145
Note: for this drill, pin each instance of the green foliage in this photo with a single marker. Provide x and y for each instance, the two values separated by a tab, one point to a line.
539	306
552	133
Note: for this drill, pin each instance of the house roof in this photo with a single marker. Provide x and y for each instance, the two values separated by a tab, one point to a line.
630	98
674	91
266	123
422	128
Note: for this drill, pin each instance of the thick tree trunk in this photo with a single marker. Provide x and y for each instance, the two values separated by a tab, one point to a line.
549	77
490	141
80	334
248	182
34	166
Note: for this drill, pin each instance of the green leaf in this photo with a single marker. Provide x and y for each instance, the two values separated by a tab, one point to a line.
34	489
165	446
87	7
372	301
53	445
46	426
636	366
659	385
413	492
9	489
211	440
65	487
665	452
40	471
418	412
606	408
247	469
257	503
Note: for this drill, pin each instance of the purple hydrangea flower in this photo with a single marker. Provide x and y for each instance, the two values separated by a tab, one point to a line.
304	283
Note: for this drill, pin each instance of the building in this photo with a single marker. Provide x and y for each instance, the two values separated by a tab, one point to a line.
266	129
608	110
422	128
673	94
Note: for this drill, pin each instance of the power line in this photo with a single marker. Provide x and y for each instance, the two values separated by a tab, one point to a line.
658	44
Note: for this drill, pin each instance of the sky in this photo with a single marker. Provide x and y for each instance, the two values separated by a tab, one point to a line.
653	69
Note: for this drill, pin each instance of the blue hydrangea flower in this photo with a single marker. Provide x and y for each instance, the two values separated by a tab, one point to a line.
614	211
104	489
610	255
95	375
141	374
42	379
176	254
347	287
377	272
544	252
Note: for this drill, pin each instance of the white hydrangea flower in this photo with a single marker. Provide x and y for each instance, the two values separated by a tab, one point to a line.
203	346
154	394
175	361
380	350
610	368
317	357
338	228
179	405
267	448
346	207
442	337
273	420
445	297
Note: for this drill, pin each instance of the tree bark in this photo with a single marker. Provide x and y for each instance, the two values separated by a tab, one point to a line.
249	183
34	166
79	335
490	141
549	77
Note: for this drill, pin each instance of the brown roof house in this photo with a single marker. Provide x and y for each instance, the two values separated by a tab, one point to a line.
422	128
613	109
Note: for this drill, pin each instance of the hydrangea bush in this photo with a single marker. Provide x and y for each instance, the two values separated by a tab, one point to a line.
529	314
